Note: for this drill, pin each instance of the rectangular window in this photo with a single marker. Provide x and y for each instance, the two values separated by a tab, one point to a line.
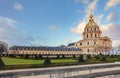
87	43
80	44
95	35
94	43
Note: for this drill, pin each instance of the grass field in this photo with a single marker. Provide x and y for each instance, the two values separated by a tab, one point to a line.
21	63
17	61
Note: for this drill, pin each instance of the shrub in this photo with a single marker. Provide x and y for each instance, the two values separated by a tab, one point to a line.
36	57
97	57
73	56
88	56
112	56
63	56
103	59
40	56
47	61
26	56
81	59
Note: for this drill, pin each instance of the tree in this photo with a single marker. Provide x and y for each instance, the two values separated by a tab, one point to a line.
1	63
58	56
81	59
40	56
63	56
1	49
47	61
73	56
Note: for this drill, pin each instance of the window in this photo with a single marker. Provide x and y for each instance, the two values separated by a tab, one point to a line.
80	44
86	29
91	29
91	35
95	35
87	43
94	43
95	28
87	50
76	45
87	35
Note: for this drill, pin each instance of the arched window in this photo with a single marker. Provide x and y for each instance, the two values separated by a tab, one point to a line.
87	35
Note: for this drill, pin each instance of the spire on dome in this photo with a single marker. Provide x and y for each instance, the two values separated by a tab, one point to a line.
91	18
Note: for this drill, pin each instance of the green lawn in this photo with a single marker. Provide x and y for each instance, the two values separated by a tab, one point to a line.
18	61
64	61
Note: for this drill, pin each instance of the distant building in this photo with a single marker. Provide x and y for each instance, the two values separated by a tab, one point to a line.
92	41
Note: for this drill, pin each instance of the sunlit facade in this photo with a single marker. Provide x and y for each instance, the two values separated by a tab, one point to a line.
92	41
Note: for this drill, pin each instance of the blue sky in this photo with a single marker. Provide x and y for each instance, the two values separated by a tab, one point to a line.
55	22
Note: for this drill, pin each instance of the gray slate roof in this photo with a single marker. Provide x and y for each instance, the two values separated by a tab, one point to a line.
44	48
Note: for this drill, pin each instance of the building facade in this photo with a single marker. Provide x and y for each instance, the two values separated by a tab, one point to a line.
92	41
44	50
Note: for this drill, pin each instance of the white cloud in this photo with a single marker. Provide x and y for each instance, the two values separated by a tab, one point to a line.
113	16
116	43
11	34
90	8
79	29
111	3
84	1
53	27
68	41
98	19
18	6
112	30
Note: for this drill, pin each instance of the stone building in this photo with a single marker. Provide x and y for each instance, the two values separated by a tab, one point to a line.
92	41
43	50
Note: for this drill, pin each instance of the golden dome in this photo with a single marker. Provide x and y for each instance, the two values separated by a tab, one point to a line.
91	26
91	23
